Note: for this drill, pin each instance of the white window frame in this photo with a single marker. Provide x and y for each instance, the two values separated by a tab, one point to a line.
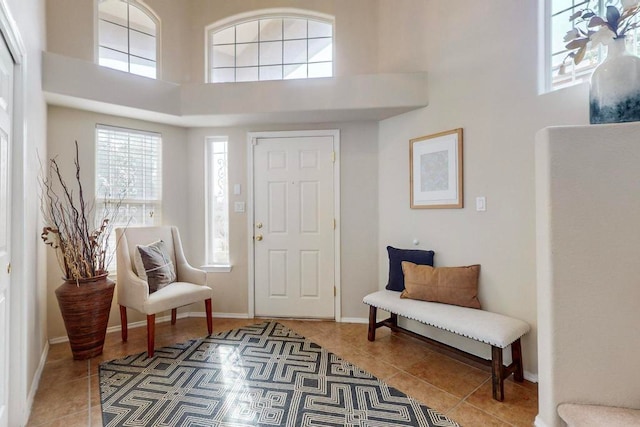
293	13
102	194
546	82
146	10
212	183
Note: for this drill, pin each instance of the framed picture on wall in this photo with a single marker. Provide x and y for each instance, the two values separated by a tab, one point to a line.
436	170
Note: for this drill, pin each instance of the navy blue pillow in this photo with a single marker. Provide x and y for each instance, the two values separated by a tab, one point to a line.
396	256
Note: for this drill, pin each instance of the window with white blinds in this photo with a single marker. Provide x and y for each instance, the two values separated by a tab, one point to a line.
129	175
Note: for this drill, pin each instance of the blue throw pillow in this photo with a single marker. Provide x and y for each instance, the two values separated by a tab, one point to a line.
396	256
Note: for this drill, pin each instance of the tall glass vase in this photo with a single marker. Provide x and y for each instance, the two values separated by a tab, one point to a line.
614	95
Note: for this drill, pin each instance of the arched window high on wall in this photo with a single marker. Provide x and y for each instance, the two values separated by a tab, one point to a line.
127	37
270	46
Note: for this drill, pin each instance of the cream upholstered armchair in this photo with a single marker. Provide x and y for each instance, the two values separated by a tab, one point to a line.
134	292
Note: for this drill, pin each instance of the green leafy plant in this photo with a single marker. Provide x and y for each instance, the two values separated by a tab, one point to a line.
591	29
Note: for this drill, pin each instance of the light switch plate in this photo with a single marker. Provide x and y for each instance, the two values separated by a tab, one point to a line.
481	204
237	190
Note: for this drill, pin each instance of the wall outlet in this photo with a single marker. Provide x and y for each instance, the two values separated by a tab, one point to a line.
238	207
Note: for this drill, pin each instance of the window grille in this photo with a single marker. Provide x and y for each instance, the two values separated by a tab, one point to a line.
559	12
217	201
127	34
271	48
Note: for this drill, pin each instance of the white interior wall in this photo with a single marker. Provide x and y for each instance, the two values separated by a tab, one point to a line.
587	209
358	163
355	50
185	170
68	125
482	78
70	31
70	26
174	33
401	36
230	289
29	272
356	53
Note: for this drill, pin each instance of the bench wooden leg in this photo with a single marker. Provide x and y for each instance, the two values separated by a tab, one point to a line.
371	334
497	373
174	315
394	321
516	355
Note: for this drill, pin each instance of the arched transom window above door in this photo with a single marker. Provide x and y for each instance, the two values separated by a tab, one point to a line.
127	37
270	47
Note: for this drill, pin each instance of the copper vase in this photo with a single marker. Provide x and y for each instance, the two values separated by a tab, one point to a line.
85	305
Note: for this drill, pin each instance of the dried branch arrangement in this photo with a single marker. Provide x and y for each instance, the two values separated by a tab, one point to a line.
82	250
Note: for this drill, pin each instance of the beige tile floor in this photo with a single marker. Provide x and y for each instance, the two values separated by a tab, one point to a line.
69	395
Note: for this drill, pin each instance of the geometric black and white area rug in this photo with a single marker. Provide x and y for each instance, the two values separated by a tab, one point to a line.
259	375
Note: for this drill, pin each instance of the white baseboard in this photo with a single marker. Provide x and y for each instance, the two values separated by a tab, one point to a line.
531	377
116	328
35	383
229	315
354	320
223	315
143	323
539	423
58	340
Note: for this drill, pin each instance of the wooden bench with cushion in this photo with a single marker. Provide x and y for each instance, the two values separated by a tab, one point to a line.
497	330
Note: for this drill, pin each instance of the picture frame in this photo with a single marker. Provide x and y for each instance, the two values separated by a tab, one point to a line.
435	165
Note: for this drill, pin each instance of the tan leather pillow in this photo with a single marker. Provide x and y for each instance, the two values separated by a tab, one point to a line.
448	285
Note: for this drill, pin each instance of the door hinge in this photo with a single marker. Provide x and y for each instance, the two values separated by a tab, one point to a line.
333	156
334	224
335	292
9	268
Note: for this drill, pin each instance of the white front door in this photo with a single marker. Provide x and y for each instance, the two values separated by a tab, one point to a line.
294	226
6	103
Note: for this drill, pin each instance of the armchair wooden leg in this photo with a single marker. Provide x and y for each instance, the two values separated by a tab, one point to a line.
174	315
123	323
207	307
151	333
371	333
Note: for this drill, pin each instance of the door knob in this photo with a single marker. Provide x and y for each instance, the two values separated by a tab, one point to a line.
259	237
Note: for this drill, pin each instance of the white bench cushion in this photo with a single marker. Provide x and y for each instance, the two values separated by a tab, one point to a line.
491	328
